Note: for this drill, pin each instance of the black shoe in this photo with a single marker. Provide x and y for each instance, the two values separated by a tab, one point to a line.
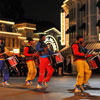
86	86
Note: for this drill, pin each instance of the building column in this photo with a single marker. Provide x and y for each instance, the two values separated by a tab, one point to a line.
11	43
18	43
15	43
7	41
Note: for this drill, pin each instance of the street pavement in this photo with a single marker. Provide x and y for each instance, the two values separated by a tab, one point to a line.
60	88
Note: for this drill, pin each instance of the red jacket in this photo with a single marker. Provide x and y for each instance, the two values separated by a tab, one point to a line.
78	53
26	49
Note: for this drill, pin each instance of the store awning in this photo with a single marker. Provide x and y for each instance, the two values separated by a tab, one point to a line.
71	29
82	8
95	46
98	4
83	26
67	16
98	23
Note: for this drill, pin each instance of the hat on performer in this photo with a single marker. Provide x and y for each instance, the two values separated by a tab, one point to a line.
29	39
79	36
41	35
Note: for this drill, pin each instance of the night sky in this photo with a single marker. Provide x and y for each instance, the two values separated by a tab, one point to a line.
48	10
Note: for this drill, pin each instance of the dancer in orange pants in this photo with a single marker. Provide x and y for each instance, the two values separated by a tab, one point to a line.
30	54
82	66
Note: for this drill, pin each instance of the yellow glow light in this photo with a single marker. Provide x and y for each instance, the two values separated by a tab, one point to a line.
36	39
23	38
22	28
62	28
53	29
7	22
10	33
51	42
15	50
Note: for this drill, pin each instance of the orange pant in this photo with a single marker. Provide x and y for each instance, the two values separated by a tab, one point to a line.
45	65
32	71
84	72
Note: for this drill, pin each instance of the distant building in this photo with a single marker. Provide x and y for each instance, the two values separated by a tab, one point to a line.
14	35
9	35
26	30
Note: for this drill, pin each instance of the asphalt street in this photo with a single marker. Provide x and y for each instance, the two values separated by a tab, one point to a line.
60	88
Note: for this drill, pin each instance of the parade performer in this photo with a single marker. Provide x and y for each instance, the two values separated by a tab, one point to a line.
29	53
82	66
44	60
86	84
3	67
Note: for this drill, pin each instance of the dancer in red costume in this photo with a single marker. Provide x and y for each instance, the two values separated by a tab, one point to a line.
45	64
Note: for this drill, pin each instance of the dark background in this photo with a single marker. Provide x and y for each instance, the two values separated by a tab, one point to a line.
33	11
48	10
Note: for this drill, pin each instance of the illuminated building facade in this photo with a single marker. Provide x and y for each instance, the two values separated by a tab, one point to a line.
81	17
26	30
14	35
9	35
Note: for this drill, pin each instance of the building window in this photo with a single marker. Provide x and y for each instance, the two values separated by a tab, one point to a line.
13	40
3	41
8	42
17	42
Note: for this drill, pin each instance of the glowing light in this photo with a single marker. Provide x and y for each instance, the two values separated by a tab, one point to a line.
16	50
7	22
62	28
53	29
99	37
23	38
26	41
22	28
36	39
10	33
50	39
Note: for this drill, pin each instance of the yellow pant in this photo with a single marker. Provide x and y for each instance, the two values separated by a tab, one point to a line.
84	73
32	71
